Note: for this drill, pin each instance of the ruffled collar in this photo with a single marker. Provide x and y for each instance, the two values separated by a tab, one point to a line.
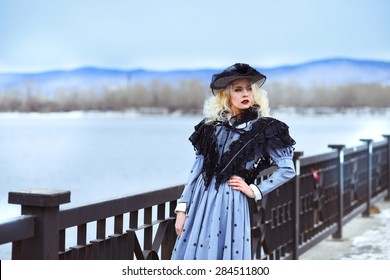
248	115
250	145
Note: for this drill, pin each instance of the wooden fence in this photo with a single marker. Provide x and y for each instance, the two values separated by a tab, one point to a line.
329	190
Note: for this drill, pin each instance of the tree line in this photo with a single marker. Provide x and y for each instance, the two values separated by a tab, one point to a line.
188	96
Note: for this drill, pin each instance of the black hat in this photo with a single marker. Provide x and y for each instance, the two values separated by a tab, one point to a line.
234	72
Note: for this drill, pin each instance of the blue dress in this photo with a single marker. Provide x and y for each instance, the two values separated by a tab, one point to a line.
218	218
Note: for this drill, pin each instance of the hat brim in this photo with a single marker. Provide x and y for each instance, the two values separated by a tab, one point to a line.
223	82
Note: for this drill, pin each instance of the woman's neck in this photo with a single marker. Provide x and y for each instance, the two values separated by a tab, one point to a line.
236	112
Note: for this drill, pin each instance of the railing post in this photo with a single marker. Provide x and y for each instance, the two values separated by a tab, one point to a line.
340	192
296	203
387	136
366	213
44	205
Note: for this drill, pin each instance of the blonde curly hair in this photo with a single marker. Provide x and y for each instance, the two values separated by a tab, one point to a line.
218	108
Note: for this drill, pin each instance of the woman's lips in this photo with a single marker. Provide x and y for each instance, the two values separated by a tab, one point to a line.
245	102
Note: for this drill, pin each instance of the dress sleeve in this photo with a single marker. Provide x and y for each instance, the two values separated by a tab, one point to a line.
283	158
185	198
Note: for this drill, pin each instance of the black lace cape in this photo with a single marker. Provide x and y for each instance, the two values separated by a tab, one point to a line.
251	145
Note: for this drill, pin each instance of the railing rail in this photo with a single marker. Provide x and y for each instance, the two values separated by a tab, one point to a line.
164	202
329	190
10	229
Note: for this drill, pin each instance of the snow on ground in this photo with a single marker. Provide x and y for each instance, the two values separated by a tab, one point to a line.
373	244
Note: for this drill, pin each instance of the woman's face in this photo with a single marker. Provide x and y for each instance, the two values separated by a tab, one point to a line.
241	95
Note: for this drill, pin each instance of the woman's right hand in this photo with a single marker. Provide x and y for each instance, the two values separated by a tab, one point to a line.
180	219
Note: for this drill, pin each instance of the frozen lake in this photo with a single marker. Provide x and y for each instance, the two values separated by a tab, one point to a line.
103	155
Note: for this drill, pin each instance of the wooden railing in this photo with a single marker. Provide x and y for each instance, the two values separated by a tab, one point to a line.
329	190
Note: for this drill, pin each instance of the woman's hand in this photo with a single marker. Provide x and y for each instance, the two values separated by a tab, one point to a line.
180	219
237	183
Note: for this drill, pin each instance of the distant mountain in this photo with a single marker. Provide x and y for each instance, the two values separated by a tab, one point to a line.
329	72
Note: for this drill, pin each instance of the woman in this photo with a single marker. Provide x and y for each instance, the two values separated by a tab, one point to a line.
234	142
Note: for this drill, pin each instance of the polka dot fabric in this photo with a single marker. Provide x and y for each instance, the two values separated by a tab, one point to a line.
217	226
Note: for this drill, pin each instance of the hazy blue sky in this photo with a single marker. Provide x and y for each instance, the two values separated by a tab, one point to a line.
38	35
